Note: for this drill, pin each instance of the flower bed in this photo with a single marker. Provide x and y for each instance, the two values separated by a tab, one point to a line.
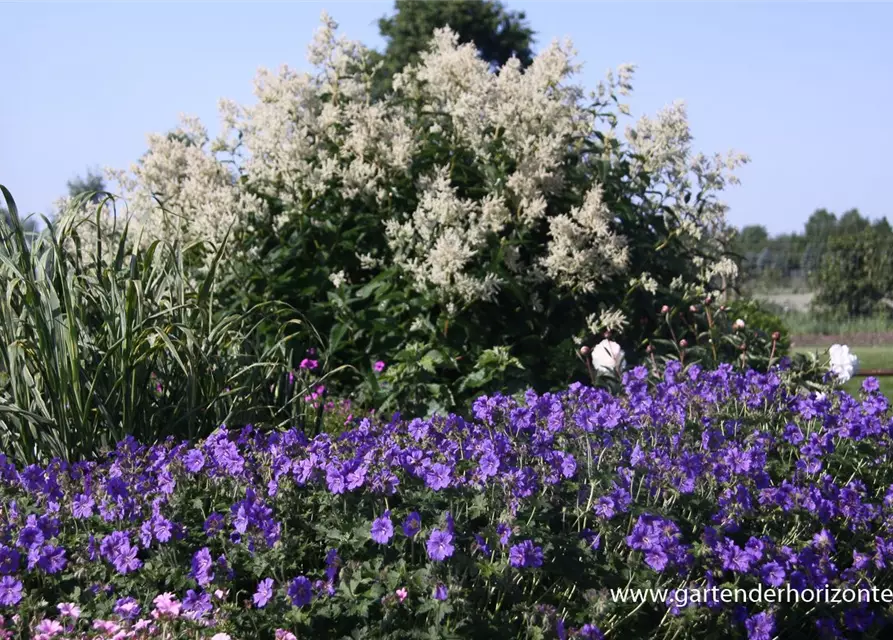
514	524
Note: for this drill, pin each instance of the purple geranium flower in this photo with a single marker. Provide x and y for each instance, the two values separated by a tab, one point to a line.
52	559
525	554
760	627
203	567
412	524
300	591
82	506
127	608
438	476
264	593
440	545
10	591
382	528
194	460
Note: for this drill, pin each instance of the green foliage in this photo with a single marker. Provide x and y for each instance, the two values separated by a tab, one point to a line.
760	318
742	332
496	32
92	352
856	273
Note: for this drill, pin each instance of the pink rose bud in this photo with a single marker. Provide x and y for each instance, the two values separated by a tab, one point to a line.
683	343
665	309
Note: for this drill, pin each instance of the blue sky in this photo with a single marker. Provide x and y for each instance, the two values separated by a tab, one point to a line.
804	89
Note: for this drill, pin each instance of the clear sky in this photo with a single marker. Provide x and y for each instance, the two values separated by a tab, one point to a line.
805	89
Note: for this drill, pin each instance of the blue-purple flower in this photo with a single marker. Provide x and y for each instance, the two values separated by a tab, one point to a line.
382	528
300	591
440	545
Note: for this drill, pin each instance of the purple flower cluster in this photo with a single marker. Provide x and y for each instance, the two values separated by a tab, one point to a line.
724	477
659	540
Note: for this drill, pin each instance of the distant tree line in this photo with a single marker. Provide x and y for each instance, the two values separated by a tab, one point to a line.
92	183
847	261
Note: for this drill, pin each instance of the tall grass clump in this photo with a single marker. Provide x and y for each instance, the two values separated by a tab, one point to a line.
99	340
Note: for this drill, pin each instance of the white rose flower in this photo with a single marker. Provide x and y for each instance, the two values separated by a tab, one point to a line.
738	324
607	356
843	364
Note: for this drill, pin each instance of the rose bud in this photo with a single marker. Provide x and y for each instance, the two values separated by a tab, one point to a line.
584	350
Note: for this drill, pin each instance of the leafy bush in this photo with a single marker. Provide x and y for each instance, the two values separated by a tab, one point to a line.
515	524
467	212
96	350
697	330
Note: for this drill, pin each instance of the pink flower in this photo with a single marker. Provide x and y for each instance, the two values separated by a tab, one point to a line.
107	627
166	605
48	628
378	366
402	593
221	636
69	609
282	634
307	363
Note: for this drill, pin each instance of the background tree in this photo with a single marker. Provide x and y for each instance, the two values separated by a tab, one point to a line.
748	244
498	34
882	228
820	226
795	259
91	183
852	222
28	224
856	273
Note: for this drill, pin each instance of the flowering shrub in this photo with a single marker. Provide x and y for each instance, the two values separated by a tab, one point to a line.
467	210
513	523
